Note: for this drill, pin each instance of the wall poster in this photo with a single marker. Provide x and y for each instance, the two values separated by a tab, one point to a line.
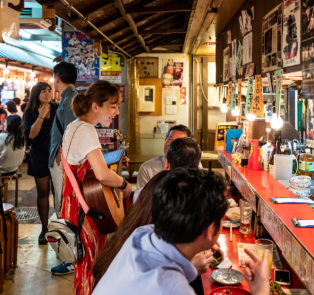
234	59
172	74
272	38
226	55
78	49
291	33
110	68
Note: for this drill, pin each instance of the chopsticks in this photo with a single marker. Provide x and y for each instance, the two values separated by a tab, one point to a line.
230	236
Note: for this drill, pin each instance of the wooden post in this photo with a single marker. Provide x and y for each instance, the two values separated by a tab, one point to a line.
204	104
195	69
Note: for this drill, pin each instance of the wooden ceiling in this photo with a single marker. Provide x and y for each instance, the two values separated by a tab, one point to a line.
135	26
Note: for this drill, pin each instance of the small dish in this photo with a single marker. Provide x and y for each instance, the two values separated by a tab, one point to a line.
301	193
300	182
227	276
233	211
217	255
229	223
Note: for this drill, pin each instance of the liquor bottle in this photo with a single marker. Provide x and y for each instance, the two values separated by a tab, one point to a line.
276	151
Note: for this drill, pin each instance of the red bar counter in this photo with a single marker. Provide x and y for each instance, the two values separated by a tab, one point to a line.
295	244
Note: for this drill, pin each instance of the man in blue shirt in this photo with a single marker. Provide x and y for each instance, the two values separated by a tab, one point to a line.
65	75
187	208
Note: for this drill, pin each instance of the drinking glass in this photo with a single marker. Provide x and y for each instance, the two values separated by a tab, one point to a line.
245	217
261	245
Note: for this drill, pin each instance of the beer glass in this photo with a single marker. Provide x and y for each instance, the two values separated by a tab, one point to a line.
261	245
245	217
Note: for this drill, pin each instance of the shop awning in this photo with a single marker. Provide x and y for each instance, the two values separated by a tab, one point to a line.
23	55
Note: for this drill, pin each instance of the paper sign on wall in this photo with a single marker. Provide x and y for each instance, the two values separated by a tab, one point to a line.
278	77
110	68
270	82
239	92
229	94
183	95
257	107
249	95
239	58
234	96
234	58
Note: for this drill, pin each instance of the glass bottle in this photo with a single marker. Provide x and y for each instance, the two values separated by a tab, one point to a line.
276	151
306	165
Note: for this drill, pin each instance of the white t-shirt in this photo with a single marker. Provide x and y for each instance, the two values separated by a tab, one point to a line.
84	141
10	160
19	111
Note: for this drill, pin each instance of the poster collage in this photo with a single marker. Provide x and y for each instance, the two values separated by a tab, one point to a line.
79	50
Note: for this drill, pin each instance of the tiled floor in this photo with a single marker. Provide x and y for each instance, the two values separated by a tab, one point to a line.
32	274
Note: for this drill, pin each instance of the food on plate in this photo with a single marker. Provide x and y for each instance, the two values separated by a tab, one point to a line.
235	215
228	291
275	289
218	259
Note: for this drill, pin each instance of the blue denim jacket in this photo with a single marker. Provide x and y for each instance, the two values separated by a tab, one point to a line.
65	116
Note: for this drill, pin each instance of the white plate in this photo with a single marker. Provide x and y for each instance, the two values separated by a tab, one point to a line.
231	210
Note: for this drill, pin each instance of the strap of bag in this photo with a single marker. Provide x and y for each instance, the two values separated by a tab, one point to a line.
59	126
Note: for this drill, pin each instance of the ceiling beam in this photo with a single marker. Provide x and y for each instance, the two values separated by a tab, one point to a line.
162	31
157	9
131	22
104	22
90	9
155	44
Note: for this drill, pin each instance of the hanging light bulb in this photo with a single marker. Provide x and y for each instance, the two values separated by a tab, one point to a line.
224	108
235	112
6	71
51	79
276	123
250	117
33	74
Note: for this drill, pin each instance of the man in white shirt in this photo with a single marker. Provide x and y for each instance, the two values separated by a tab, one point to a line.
17	101
183	152
151	167
186	217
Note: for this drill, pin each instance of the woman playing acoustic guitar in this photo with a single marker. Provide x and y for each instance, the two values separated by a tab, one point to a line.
82	150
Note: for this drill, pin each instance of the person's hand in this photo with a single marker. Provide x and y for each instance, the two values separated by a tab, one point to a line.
127	191
216	248
202	260
256	273
44	110
125	162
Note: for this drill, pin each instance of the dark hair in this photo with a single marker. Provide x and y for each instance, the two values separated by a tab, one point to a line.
15	132
24	106
66	72
16	100
139	215
181	128
34	102
11	107
184	152
98	92
186	202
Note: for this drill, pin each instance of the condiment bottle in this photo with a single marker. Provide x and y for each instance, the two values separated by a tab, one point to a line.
306	165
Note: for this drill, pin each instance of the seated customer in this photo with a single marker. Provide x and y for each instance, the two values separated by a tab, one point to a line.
139	215
12	146
156	259
11	108
151	167
187	217
182	152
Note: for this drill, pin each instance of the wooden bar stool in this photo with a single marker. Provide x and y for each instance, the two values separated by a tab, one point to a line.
5	180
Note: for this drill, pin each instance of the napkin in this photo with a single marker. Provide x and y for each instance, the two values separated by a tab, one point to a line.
232	203
225	264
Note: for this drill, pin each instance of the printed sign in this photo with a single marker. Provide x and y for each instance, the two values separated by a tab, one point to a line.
239	92
78	49
234	59
257	107
110	68
278	77
183	95
239	58
226	70
271	42
229	94
291	33
105	135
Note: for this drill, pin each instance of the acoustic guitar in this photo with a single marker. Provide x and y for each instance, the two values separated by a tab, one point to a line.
106	200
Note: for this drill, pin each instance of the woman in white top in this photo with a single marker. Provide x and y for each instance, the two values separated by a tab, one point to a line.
12	146
82	150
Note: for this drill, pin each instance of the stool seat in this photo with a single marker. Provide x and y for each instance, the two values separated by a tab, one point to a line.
5	180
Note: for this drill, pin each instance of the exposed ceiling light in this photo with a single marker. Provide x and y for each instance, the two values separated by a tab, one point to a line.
6	71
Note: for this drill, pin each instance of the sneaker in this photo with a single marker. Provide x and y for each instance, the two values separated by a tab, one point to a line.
63	269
